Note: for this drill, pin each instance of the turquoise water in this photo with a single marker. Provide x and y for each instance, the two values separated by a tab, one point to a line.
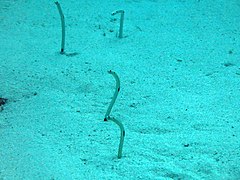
178	67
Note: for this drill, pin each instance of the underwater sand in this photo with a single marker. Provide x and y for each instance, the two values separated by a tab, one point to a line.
179	67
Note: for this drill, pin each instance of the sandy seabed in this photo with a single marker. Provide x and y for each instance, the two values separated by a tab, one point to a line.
179	68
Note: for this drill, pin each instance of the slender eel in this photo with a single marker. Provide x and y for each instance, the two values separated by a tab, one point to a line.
107	115
114	96
121	22
63	27
122	135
